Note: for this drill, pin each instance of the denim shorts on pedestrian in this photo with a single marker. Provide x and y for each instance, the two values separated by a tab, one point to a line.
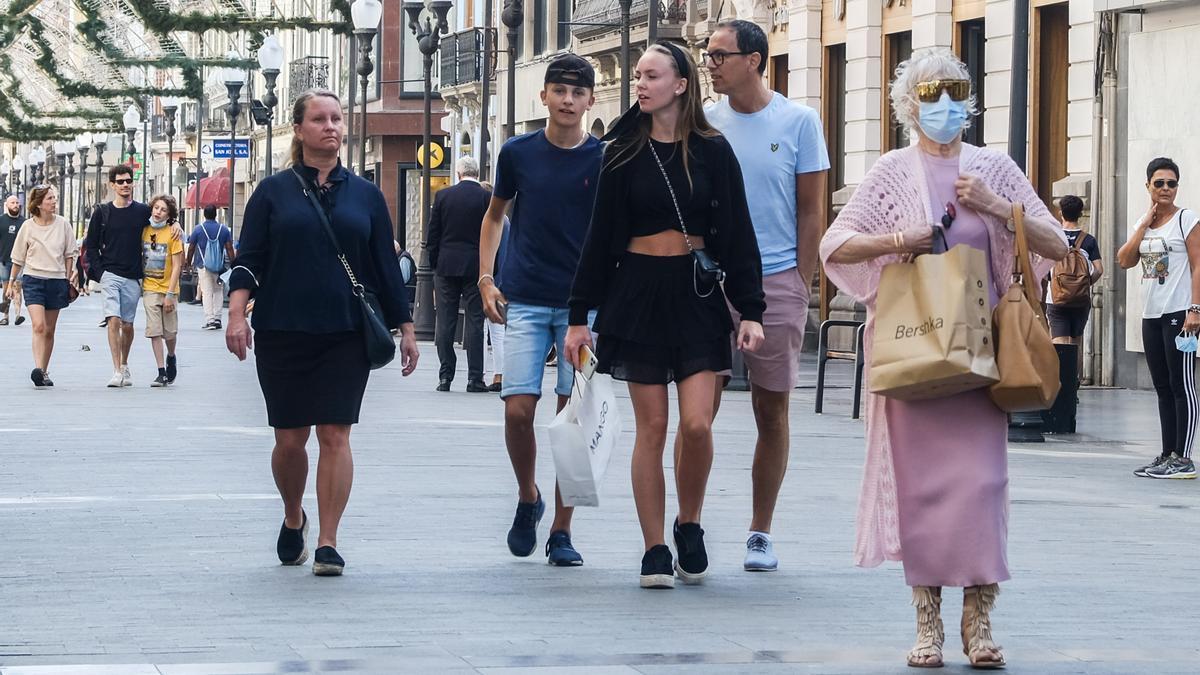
49	293
529	333
121	296
5	272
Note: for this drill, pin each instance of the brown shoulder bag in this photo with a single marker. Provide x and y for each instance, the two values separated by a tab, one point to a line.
1025	353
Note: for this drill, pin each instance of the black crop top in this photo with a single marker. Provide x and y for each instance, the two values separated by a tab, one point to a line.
651	210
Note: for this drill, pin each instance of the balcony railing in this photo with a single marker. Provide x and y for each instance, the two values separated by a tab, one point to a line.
310	72
462	57
609	12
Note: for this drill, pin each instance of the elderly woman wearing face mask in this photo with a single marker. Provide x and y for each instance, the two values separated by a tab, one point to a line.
935	488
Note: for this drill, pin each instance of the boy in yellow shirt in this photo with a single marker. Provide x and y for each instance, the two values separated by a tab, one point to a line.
162	261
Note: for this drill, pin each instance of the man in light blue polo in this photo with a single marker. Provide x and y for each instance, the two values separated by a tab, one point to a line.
781	149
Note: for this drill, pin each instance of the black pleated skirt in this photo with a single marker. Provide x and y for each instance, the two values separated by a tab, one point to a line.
658	325
309	379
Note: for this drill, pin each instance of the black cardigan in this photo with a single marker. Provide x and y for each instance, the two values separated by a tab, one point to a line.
730	240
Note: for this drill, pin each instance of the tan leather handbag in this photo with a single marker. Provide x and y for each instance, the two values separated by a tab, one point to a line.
1025	353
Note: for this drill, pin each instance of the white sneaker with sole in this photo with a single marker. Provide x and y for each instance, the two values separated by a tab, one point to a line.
760	554
126	378
118	380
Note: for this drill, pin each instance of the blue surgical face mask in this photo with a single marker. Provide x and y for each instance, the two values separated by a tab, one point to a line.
943	119
158	224
1186	343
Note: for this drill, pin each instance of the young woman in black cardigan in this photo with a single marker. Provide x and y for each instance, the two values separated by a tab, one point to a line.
661	318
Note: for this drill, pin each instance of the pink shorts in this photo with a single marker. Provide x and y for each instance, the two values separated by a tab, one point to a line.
776	364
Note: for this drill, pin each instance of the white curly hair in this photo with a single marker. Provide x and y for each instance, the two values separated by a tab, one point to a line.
923	66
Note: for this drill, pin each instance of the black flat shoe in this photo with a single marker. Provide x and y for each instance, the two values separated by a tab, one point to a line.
444	385
477	387
496	387
292	544
327	562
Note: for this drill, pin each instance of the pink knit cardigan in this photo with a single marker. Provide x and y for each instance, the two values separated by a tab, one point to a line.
893	196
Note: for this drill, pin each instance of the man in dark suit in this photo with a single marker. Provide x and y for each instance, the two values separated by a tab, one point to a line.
454	256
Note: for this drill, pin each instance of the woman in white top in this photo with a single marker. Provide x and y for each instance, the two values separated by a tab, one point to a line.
1167	245
43	259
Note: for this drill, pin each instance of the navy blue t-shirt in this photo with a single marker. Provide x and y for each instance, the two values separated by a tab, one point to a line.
554	189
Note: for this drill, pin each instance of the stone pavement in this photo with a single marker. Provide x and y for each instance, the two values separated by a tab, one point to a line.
138	531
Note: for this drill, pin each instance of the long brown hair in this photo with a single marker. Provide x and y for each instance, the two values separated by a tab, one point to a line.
691	118
298	110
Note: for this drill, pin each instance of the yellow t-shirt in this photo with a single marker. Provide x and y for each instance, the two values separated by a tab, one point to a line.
157	265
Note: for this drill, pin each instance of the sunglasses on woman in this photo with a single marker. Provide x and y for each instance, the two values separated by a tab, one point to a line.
1169	183
931	91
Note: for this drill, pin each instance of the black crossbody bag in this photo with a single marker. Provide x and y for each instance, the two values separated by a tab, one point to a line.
381	347
706	270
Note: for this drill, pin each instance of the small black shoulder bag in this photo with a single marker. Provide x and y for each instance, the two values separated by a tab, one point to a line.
706	270
381	346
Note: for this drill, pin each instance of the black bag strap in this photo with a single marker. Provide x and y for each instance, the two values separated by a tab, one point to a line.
312	199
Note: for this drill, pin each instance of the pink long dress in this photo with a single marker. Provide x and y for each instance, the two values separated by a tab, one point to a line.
950	454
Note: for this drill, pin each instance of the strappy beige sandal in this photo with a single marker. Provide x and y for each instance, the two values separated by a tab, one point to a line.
927	652
981	651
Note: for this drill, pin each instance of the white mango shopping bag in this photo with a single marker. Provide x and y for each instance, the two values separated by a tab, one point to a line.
582	438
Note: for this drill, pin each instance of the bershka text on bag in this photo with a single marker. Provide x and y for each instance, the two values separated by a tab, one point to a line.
931	324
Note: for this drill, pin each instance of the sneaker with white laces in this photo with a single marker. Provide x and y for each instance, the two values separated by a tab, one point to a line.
126	378
117	381
1176	467
760	554
1157	462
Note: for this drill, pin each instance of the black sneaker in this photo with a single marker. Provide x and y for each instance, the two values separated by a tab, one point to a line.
692	566
522	538
160	381
1176	467
20	320
39	377
327	562
46	381
477	387
1158	461
172	368
560	552
657	568
292	545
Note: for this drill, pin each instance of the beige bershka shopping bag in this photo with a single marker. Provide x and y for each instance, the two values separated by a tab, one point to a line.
933	327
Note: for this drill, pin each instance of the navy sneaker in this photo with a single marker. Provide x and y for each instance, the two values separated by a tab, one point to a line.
560	552
172	368
522	538
1176	467
656	568
692	565
327	562
292	544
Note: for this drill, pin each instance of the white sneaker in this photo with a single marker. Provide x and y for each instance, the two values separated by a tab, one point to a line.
760	555
118	380
126	378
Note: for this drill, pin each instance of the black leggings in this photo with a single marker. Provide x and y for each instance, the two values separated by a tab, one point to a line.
1174	376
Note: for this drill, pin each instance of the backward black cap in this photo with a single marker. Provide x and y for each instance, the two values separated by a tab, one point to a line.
572	70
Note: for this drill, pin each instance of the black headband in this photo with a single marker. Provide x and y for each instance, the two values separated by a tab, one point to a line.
633	117
681	62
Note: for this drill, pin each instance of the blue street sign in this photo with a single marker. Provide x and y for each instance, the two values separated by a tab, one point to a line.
220	147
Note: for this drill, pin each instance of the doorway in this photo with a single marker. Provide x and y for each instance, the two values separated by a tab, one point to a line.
1049	124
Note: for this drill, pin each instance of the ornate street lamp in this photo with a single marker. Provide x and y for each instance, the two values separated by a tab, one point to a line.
132	120
170	106
427	21
512	17
101	144
270	60
63	152
83	143
4	179
234	78
18	164
366	15
625	4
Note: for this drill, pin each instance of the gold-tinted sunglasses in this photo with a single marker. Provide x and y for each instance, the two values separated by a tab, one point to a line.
931	91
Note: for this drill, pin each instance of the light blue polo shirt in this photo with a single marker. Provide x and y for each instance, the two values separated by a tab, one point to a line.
772	146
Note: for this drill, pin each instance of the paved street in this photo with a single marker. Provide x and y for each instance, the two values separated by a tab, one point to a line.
138	530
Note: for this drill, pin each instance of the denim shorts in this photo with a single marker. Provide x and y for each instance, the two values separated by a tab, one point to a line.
5	272
529	333
121	296
49	293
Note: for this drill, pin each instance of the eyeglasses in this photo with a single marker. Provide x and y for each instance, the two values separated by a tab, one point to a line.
718	58
949	215
124	181
931	91
1169	183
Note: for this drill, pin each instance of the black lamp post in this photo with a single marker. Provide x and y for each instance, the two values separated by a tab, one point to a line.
512	17
170	106
132	119
101	140
83	143
270	60
234	78
366	15
625	4
427	22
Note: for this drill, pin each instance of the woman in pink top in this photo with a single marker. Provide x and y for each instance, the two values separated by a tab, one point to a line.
935	485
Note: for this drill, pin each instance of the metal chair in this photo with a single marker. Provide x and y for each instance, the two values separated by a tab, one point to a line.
824	354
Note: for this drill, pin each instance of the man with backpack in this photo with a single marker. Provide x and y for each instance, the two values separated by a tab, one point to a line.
215	244
1068	306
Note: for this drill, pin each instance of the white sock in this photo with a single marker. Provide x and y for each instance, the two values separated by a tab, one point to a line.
764	535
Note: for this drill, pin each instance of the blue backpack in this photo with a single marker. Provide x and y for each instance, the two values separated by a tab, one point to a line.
214	253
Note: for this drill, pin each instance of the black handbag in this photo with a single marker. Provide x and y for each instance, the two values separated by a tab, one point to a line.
381	346
706	270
